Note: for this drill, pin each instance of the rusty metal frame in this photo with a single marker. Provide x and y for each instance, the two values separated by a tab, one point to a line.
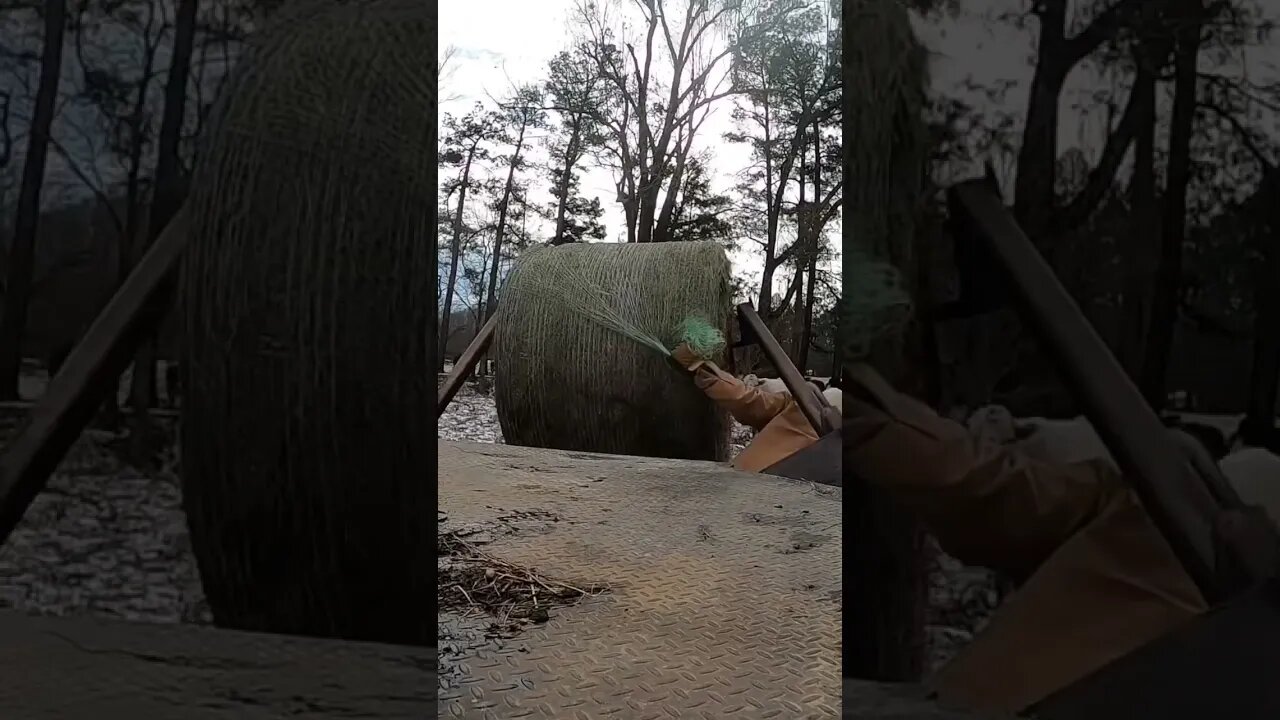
821	416
1181	504
1220	664
88	374
821	462
466	363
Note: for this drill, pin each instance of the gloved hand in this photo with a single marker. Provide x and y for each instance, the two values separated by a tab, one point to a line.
683	357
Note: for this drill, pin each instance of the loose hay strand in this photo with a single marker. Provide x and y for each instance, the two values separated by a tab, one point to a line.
571	288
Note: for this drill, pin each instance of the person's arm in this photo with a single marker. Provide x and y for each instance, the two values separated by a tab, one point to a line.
986	505
748	405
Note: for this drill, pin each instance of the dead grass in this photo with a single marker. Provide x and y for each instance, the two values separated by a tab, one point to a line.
473	583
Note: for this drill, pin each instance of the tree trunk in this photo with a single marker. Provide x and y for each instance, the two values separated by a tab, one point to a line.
167	196
562	187
764	306
1189	17
806	335
455	257
650	188
629	213
501	230
1265	376
806	331
130	251
662	233
22	252
1038	154
797	314
1264	379
799	259
1140	253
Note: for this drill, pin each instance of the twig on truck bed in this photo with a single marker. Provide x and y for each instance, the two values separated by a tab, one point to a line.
472	582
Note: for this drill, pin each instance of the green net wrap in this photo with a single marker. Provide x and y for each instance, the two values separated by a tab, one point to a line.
581	348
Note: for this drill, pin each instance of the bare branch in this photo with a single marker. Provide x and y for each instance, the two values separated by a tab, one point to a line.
1242	133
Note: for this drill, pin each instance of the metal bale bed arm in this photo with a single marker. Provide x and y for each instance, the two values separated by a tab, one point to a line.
1221	664
815	407
88	374
821	462
466	363
1178	499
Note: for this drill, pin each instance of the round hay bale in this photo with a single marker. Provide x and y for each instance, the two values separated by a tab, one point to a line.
306	461
565	382
886	72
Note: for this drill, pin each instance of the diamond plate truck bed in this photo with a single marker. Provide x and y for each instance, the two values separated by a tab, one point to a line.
723	600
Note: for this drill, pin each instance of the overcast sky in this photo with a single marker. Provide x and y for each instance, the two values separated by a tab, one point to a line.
505	41
516	38
513	45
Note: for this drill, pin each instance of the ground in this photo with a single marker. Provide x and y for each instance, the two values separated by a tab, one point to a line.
102	539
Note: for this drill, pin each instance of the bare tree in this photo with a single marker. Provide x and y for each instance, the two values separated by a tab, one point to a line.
168	196
123	99
22	251
1150	53
522	114
575	90
1188	19
446	66
790	85
462	147
654	103
1057	54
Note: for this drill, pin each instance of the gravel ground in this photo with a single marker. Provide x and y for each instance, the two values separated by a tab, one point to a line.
103	540
472	416
961	598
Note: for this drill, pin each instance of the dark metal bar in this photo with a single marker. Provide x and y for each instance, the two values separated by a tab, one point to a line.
819	463
1224	493
812	404
89	375
466	363
1220	664
1180	506
731	360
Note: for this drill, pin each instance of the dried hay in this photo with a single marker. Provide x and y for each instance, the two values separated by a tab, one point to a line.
886	145
476	584
582	335
307	327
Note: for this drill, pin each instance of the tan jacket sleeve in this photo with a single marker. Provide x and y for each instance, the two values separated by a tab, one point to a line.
986	505
750	406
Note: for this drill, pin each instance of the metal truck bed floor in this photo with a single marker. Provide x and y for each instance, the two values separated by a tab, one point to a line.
85	668
724	597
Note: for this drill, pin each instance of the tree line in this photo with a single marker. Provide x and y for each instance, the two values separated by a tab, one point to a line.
630	93
1160	215
118	92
